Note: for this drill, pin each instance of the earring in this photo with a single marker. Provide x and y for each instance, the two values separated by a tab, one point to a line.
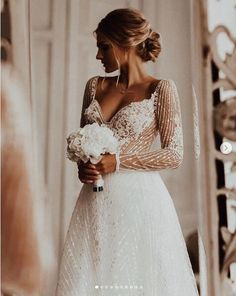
118	76
105	75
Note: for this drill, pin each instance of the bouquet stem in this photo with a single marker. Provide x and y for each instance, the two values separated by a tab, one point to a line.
98	184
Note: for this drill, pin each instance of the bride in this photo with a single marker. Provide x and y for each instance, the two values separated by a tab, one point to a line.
126	240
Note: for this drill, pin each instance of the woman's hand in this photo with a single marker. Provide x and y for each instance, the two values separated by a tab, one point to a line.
107	164
87	172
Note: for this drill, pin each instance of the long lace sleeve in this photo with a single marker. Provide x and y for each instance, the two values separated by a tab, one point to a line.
168	119
86	99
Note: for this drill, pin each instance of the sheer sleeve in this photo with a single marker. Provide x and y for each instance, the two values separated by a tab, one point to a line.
168	119
87	98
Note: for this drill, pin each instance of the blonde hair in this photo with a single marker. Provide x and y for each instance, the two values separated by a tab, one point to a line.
128	27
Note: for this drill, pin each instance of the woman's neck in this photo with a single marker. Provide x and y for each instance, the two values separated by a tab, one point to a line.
133	72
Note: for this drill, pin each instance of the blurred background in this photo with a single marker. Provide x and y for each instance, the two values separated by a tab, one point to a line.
51	49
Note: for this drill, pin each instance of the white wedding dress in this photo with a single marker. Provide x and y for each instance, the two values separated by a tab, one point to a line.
127	239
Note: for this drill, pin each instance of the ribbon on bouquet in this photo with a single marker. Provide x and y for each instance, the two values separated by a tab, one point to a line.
98	185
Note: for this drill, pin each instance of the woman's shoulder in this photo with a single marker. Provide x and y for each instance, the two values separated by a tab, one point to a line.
92	80
91	84
160	82
167	89
97	80
103	83
96	84
167	84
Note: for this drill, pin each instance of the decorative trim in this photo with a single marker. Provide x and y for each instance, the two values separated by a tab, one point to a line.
222	114
228	65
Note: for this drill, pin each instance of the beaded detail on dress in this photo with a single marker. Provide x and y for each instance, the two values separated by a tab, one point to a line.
137	124
126	240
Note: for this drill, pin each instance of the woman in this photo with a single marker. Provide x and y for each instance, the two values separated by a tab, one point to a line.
127	240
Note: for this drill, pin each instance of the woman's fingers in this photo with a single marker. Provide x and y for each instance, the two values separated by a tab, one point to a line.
87	175
86	178
90	166
87	165
92	172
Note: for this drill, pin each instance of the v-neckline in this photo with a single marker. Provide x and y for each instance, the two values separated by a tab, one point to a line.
152	95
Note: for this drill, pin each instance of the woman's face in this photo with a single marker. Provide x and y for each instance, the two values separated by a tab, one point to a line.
108	53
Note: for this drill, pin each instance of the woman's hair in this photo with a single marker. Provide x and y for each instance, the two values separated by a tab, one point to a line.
128	27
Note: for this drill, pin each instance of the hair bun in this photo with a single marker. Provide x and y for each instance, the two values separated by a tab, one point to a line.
150	48
127	27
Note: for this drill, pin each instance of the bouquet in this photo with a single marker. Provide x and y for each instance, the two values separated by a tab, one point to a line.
89	144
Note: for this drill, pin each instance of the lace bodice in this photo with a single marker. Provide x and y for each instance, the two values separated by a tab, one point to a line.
137	124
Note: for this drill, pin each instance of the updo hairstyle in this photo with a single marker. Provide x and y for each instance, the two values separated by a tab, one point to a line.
128	27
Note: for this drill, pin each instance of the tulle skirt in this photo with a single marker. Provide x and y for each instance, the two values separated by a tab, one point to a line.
126	240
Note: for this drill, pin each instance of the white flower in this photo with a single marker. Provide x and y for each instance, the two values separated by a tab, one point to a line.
90	142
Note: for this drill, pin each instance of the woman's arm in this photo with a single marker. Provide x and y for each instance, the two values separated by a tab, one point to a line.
87	172
168	116
87	98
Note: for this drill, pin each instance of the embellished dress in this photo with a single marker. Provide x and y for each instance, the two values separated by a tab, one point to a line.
126	240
